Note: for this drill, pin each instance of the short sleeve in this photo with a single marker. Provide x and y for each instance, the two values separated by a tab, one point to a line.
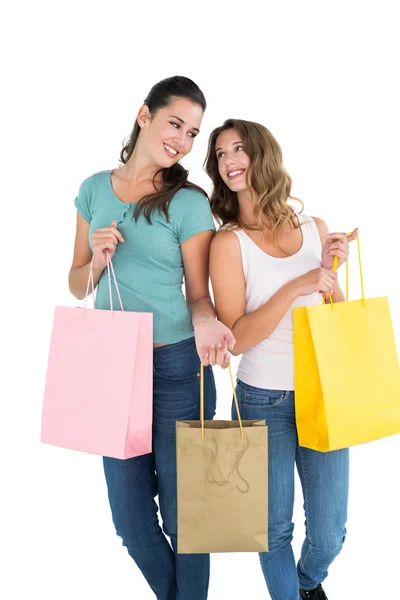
190	213
83	201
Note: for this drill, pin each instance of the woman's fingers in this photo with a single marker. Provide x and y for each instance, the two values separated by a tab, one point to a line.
217	354
340	253
109	233
221	352
206	359
119	236
353	235
337	236
230	340
104	231
104	245
227	361
104	240
216	357
337	244
328	284
212	353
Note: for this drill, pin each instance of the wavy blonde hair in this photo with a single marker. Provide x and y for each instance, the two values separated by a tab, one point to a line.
267	176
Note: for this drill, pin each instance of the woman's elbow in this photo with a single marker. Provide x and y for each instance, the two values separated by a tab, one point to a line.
236	352
77	293
238	348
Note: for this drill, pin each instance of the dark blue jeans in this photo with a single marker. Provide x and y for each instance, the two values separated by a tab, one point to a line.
324	478
133	484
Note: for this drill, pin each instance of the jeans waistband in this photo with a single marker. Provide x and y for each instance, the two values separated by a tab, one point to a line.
252	388
173	349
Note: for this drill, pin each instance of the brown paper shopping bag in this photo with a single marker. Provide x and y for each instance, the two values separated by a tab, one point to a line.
222	478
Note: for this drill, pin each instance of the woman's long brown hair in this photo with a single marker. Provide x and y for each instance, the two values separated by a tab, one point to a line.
270	182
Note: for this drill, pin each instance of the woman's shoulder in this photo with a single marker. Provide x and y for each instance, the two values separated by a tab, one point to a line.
227	238
90	193
192	195
316	226
95	178
316	221
189	203
320	225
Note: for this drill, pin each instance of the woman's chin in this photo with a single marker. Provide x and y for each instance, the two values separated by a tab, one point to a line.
236	186
166	162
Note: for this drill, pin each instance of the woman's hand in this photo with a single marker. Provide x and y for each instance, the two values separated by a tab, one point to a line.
103	241
213	342
319	280
336	244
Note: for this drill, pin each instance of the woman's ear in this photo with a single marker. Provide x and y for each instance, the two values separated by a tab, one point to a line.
143	117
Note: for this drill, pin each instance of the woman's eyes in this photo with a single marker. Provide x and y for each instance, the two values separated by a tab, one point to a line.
238	147
177	126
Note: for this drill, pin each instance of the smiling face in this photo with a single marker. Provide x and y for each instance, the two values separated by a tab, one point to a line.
168	134
233	162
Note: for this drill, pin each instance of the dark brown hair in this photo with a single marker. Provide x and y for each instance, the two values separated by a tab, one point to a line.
175	177
267	176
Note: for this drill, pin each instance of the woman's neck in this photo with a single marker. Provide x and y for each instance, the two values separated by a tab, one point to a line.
246	200
246	207
139	168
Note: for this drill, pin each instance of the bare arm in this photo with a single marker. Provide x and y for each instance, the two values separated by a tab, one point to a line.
212	337
79	272
103	241
228	283
195	254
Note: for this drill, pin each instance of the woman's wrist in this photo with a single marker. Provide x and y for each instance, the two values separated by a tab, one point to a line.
203	319
202	310
292	289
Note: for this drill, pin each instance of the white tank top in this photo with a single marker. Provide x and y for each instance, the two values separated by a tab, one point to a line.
270	364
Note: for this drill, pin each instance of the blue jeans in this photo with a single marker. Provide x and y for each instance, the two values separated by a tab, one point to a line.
324	478
134	483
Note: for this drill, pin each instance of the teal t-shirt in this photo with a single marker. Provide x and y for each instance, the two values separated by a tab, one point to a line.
148	264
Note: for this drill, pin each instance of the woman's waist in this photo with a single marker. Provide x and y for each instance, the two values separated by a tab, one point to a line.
160	298
276	348
268	367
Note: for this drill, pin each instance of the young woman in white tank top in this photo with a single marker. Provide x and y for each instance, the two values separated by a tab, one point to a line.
265	260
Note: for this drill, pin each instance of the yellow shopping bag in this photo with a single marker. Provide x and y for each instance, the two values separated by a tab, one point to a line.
347	376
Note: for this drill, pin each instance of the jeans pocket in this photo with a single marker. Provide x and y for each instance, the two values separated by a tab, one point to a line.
180	368
253	397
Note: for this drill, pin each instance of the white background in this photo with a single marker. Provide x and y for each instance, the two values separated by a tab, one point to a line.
323	77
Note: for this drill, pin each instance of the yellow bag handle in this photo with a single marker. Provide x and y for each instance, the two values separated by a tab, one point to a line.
334	269
202	400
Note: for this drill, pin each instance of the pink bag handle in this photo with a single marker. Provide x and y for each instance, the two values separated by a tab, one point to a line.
91	282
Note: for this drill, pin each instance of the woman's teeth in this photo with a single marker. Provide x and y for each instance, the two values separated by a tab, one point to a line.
235	173
170	150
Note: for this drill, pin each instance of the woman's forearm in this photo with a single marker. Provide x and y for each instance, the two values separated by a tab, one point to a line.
201	309
253	328
78	279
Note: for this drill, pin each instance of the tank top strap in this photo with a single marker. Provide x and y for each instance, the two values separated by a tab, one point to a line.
310	233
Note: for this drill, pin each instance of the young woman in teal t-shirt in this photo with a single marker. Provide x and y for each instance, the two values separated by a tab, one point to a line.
158	229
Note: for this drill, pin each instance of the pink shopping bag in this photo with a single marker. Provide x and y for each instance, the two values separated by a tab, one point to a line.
99	385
